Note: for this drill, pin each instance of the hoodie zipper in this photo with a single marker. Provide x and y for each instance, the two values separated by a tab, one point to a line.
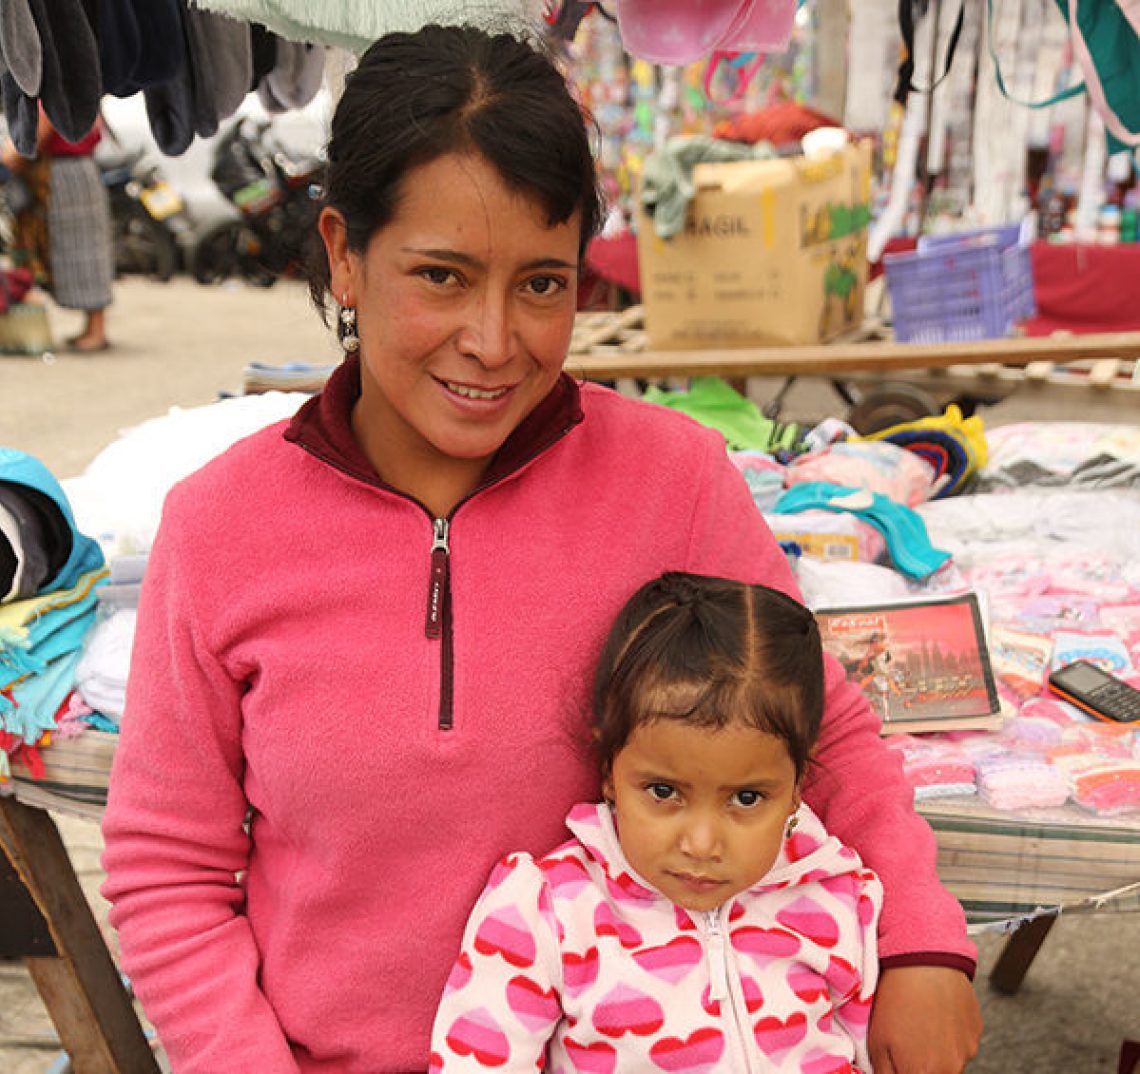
738	1031
438	623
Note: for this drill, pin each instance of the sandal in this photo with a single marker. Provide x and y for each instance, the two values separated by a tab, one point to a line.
77	345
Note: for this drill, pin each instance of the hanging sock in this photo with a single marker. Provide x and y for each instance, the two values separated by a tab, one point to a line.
905	84
20	46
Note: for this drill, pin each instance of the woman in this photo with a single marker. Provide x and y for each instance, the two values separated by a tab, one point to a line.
77	220
365	640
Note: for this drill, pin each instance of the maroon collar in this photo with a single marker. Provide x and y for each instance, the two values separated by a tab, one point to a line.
323	426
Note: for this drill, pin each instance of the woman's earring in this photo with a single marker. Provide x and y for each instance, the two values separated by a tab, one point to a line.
790	827
346	330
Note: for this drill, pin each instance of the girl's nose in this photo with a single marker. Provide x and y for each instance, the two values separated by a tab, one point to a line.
700	838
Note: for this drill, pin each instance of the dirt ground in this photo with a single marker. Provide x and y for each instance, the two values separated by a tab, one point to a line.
181	345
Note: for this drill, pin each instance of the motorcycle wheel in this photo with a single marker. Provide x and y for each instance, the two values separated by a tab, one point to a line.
215	255
144	247
226	250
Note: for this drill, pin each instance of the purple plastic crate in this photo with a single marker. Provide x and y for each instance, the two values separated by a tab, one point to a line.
970	285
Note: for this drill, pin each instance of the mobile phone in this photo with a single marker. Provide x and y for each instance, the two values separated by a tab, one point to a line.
1098	692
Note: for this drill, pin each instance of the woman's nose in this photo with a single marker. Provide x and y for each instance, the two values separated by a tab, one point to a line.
488	334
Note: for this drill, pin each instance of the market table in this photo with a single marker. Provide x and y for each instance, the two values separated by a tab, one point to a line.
1011	872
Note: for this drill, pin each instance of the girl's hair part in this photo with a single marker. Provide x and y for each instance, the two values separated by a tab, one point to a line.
712	652
415	97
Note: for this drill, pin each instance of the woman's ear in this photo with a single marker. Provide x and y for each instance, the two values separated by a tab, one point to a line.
608	788
342	262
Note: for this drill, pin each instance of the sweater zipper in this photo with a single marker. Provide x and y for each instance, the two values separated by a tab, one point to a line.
738	1031
439	616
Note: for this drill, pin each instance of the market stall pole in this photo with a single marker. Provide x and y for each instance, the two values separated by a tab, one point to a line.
47	921
608	350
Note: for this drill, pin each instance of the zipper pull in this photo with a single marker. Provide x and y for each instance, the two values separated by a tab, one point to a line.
718	964
437	583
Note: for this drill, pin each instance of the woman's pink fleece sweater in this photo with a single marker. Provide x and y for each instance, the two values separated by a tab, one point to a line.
293	841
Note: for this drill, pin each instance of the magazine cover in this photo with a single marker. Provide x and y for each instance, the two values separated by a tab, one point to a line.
923	665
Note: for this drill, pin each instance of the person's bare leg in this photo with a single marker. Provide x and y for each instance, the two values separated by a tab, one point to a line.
94	334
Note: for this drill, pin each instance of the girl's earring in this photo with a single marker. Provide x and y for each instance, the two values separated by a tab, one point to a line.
790	827
346	330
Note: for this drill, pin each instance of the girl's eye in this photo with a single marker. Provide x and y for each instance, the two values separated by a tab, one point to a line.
748	799
546	285
661	792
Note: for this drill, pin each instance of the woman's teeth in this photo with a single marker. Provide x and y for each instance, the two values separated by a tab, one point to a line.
475	393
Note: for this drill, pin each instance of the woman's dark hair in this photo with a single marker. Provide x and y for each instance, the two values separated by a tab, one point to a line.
415	97
711	652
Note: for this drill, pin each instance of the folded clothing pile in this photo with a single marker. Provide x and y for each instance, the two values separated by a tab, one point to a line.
934	767
49	573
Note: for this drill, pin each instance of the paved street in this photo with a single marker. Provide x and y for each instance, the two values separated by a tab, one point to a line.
181	345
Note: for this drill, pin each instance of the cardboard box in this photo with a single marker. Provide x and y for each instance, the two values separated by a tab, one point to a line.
773	252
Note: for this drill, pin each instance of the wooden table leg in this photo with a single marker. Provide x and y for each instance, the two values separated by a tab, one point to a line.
1018	953
80	985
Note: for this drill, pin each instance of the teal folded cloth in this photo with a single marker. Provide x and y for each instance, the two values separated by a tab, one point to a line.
908	543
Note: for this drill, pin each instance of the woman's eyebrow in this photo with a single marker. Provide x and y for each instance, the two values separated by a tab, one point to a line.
457	257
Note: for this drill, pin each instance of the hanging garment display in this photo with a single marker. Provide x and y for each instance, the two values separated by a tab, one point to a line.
294	78
20	45
1105	35
193	66
355	24
679	32
70	83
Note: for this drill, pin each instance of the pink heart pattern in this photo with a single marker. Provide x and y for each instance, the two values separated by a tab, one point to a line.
478	1034
607	923
628	1010
460	973
753	996
579	971
777	1036
506	934
673	961
596	1058
765	944
793	949
807	917
818	1062
536	1007
698	1053
841	976
567	876
807	984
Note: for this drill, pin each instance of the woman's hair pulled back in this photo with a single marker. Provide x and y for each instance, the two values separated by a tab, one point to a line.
711	652
415	97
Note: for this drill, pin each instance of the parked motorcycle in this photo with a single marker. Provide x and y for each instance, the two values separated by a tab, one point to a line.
149	219
276	197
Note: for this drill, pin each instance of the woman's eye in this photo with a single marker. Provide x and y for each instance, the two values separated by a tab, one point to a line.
661	792
437	274
546	285
748	799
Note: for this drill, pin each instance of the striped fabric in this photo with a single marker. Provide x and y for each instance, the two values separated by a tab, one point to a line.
79	235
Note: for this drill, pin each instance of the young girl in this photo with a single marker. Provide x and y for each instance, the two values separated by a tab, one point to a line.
701	919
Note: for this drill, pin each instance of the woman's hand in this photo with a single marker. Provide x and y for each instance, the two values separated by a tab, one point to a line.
925	1020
